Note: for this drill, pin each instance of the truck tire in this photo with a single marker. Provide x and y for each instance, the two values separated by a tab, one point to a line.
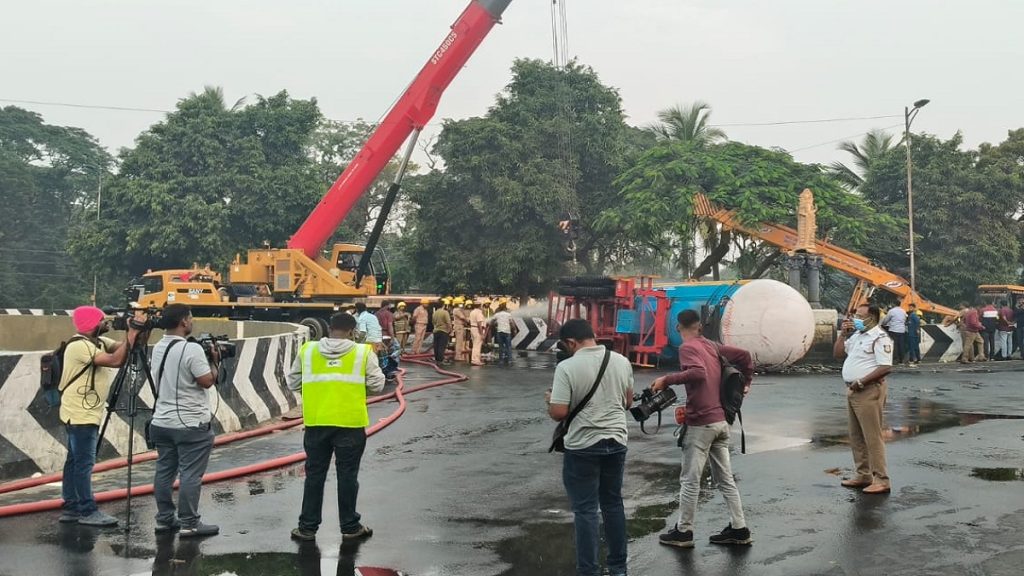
595	291
317	327
587	281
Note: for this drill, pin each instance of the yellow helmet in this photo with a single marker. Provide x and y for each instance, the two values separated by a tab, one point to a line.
401	304
459	300
447	300
486	301
424	301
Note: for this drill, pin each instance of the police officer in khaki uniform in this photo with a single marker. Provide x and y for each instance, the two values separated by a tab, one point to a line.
867	351
460	319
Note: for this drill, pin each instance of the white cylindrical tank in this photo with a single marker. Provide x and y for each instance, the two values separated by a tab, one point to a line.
771	320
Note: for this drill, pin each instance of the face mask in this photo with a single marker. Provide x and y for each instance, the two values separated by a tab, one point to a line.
858	324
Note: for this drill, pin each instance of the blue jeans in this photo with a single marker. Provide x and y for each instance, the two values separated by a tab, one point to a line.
913	348
76	486
504	346
346	445
593	479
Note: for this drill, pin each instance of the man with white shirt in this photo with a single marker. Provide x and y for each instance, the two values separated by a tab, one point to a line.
503	334
895	322
867	351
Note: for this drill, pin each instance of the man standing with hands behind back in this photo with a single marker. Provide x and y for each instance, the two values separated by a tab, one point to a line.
867	351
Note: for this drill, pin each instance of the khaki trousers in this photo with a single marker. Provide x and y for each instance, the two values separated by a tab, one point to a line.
970	340
865	408
460	342
417	343
478	342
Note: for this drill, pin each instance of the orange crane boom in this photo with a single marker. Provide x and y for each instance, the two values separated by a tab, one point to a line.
868	276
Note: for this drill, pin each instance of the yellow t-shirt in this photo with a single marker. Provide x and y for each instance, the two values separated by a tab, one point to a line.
83	401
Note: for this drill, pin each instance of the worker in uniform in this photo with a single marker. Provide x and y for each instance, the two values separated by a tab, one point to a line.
477	329
333	375
867	351
442	321
420	319
403	323
460	320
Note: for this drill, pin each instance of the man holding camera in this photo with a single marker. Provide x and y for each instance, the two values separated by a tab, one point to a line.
866	351
181	427
83	390
333	375
706	433
595	445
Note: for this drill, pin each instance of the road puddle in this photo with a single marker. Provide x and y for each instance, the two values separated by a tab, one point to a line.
916	416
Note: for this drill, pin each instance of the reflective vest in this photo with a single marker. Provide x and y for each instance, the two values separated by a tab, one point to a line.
334	389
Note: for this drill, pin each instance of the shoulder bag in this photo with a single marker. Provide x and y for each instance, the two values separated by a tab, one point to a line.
558	438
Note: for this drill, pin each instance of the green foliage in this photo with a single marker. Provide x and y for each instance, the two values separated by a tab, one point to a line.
964	207
48	180
687	124
874	145
205	183
761	185
551	145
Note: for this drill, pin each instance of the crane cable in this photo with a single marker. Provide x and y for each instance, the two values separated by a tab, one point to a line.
560	53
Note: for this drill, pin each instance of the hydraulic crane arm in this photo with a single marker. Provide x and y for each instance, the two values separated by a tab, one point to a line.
411	112
841	259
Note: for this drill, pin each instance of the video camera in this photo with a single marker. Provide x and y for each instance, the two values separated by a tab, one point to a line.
650	403
209	342
125	317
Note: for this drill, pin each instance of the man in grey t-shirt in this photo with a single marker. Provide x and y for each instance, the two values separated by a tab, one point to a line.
181	428
595	445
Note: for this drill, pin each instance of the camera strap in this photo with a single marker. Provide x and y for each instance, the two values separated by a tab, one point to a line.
583	403
160	372
655	430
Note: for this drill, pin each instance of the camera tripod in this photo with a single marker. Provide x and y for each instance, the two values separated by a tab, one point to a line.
130	379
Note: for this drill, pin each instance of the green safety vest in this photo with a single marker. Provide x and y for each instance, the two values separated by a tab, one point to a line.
334	389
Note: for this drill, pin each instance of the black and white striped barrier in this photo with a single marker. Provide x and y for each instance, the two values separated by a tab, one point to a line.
32	438
33	312
940	343
532	334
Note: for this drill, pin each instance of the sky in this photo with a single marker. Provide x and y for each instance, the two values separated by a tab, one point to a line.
752	61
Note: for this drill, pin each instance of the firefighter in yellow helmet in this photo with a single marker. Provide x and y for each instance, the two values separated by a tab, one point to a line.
477	328
420	319
403	321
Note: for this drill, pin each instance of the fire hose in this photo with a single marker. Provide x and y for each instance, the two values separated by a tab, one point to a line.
110	495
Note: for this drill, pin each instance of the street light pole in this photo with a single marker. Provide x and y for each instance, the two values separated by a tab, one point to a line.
908	115
99	197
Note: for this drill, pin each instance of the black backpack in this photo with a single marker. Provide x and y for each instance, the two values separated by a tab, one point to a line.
51	368
731	395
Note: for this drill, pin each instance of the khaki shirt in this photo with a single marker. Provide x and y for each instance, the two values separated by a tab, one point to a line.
442	321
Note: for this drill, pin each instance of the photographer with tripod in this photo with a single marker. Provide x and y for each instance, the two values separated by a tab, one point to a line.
181	427
83	387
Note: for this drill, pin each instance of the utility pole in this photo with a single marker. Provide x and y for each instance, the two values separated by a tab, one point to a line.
908	115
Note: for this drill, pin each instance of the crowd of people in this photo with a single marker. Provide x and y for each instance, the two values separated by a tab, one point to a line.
990	331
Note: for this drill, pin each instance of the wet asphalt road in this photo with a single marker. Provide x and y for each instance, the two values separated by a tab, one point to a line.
462	485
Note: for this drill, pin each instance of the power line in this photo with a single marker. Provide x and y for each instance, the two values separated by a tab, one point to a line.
814	121
561	52
843	138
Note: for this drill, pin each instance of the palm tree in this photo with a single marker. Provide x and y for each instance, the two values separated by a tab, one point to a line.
875	144
687	124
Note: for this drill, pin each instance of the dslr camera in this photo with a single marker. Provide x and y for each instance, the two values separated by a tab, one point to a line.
649	403
209	342
125	317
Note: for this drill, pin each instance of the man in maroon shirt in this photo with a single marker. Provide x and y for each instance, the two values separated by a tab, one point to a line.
386	319
970	335
706	433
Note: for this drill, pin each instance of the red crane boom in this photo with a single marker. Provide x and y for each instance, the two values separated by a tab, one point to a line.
412	112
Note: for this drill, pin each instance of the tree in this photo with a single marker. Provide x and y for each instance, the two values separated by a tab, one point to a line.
964	216
687	124
48	182
552	145
874	145
656	203
1008	158
205	183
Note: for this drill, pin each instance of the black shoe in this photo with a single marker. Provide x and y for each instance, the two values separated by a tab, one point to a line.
303	534
199	530
358	534
732	536
162	528
676	538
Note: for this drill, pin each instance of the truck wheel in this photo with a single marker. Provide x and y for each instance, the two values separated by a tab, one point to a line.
587	281
317	327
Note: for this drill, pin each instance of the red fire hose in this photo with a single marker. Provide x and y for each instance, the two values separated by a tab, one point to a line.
142	490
